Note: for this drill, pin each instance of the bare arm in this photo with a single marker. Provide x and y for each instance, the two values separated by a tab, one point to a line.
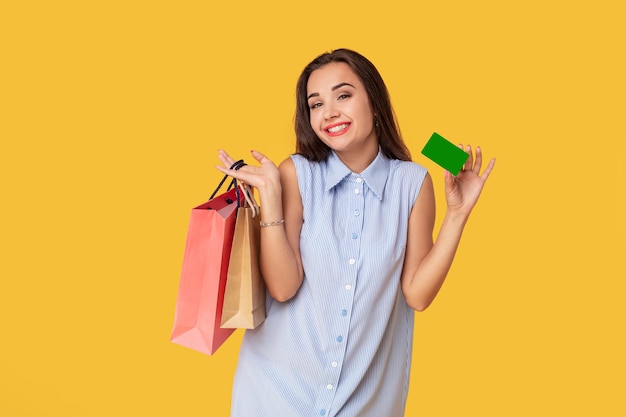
280	260
426	264
281	263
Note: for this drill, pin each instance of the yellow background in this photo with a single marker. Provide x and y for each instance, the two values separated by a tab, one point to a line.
112	113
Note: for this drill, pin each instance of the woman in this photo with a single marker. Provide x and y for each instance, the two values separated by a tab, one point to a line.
346	252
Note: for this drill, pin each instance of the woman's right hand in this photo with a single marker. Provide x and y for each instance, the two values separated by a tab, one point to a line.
265	178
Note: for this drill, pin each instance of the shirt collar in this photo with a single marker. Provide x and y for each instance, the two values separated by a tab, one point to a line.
375	175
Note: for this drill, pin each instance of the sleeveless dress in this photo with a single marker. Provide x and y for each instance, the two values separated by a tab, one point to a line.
342	345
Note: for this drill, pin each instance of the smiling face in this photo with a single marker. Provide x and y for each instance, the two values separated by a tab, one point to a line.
340	112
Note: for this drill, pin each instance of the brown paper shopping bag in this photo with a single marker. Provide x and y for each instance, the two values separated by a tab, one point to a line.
244	297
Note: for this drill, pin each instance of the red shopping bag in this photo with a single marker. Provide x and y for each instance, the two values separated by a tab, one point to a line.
204	272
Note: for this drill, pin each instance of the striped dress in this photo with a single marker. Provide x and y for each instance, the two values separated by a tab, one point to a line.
342	345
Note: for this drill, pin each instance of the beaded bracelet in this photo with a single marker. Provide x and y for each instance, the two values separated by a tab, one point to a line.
275	223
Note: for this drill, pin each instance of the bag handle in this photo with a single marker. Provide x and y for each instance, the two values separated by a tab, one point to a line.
234	166
249	196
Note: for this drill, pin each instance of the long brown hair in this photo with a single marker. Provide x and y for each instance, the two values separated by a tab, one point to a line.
387	128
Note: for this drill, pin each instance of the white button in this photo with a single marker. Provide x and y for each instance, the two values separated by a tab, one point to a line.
348	287
334	364
359	180
329	386
356	191
352	261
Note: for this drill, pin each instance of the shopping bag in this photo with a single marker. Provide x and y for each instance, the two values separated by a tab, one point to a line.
244	297
204	271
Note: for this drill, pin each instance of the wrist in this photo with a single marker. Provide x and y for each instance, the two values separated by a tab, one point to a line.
272	223
456	218
270	191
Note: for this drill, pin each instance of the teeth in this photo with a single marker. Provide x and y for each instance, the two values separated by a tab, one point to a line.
339	128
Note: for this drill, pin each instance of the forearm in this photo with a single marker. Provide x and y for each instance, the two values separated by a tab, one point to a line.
278	264
429	276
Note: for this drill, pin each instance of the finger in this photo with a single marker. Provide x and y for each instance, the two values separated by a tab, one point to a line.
225	169
262	159
490	166
460	146
478	161
241	174
469	162
225	158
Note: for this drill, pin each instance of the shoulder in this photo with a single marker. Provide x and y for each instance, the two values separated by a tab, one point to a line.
304	169
407	179
408	170
300	162
296	173
407	166
288	173
287	167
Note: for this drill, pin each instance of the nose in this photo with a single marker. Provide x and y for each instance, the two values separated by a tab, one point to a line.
330	112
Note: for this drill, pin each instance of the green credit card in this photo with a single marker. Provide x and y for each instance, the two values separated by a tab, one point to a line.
445	153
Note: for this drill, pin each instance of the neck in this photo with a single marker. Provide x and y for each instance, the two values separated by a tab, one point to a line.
359	160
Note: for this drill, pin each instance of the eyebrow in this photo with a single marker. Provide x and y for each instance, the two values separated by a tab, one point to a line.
332	89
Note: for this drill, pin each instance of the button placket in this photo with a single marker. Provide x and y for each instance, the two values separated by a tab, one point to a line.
354	189
353	245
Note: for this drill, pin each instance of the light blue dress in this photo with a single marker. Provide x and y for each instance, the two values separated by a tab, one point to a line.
342	345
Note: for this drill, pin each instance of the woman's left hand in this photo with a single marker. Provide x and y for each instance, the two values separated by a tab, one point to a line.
463	190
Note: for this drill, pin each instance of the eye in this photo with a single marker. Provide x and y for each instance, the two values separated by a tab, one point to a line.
343	96
315	105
